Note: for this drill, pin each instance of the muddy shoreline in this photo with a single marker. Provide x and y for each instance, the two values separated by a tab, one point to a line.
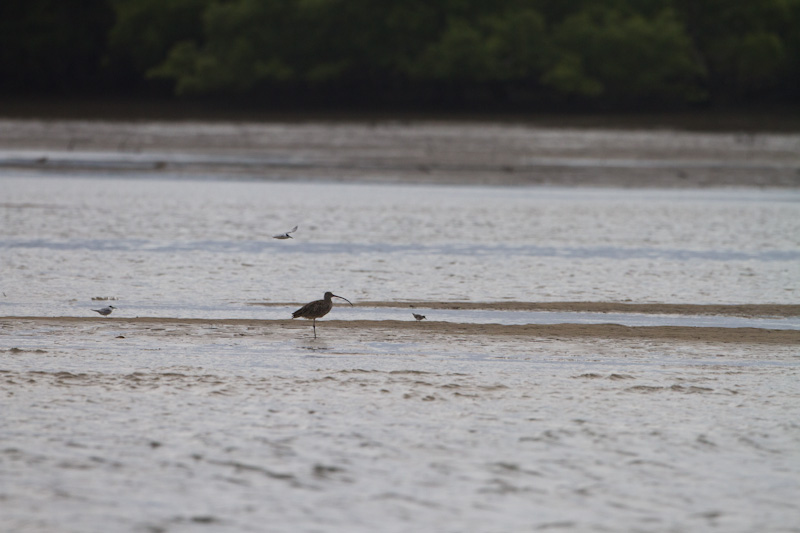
391	151
779	118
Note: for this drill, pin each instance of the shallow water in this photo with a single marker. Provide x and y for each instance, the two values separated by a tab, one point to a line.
122	426
187	246
125	427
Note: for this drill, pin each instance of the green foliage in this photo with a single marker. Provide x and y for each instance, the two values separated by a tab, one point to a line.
498	47
760	58
248	42
595	52
239	49
743	42
603	53
568	77
602	50
146	30
460	54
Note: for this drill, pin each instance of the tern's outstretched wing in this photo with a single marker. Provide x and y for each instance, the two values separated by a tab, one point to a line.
285	235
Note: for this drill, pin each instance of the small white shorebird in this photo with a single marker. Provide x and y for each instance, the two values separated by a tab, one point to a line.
418	317
105	311
285	235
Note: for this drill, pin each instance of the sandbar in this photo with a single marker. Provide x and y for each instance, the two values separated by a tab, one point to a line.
378	329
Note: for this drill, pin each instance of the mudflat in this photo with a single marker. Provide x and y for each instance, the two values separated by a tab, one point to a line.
422	151
377	330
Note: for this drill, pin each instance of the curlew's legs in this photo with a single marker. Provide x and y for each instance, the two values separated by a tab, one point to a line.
318	308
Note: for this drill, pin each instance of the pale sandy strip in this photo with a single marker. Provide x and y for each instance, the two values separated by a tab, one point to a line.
743	310
531	331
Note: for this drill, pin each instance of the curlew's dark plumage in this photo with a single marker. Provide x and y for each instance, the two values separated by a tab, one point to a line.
418	317
317	309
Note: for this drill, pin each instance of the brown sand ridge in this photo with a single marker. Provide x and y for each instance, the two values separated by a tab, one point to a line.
598	331
380	328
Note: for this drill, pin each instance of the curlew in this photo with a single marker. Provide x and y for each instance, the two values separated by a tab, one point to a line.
285	235
317	309
105	311
418	317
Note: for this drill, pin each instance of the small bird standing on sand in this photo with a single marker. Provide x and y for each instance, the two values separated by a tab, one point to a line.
418	317
317	309
105	311
285	235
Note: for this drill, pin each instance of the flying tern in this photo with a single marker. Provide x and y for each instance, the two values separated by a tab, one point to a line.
285	235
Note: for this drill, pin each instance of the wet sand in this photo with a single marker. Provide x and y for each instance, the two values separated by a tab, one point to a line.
744	310
175	424
409	152
377	330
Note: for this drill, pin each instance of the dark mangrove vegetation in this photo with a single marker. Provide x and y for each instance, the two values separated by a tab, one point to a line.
610	54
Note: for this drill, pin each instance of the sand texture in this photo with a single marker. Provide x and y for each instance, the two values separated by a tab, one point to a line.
377	330
409	152
198	405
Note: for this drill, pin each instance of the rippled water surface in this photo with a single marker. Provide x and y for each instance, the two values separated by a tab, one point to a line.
177	426
110	425
189	247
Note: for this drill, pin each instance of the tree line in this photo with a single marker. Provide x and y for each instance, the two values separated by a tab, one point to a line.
607	53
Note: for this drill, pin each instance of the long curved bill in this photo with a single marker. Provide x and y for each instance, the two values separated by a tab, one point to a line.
343	298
